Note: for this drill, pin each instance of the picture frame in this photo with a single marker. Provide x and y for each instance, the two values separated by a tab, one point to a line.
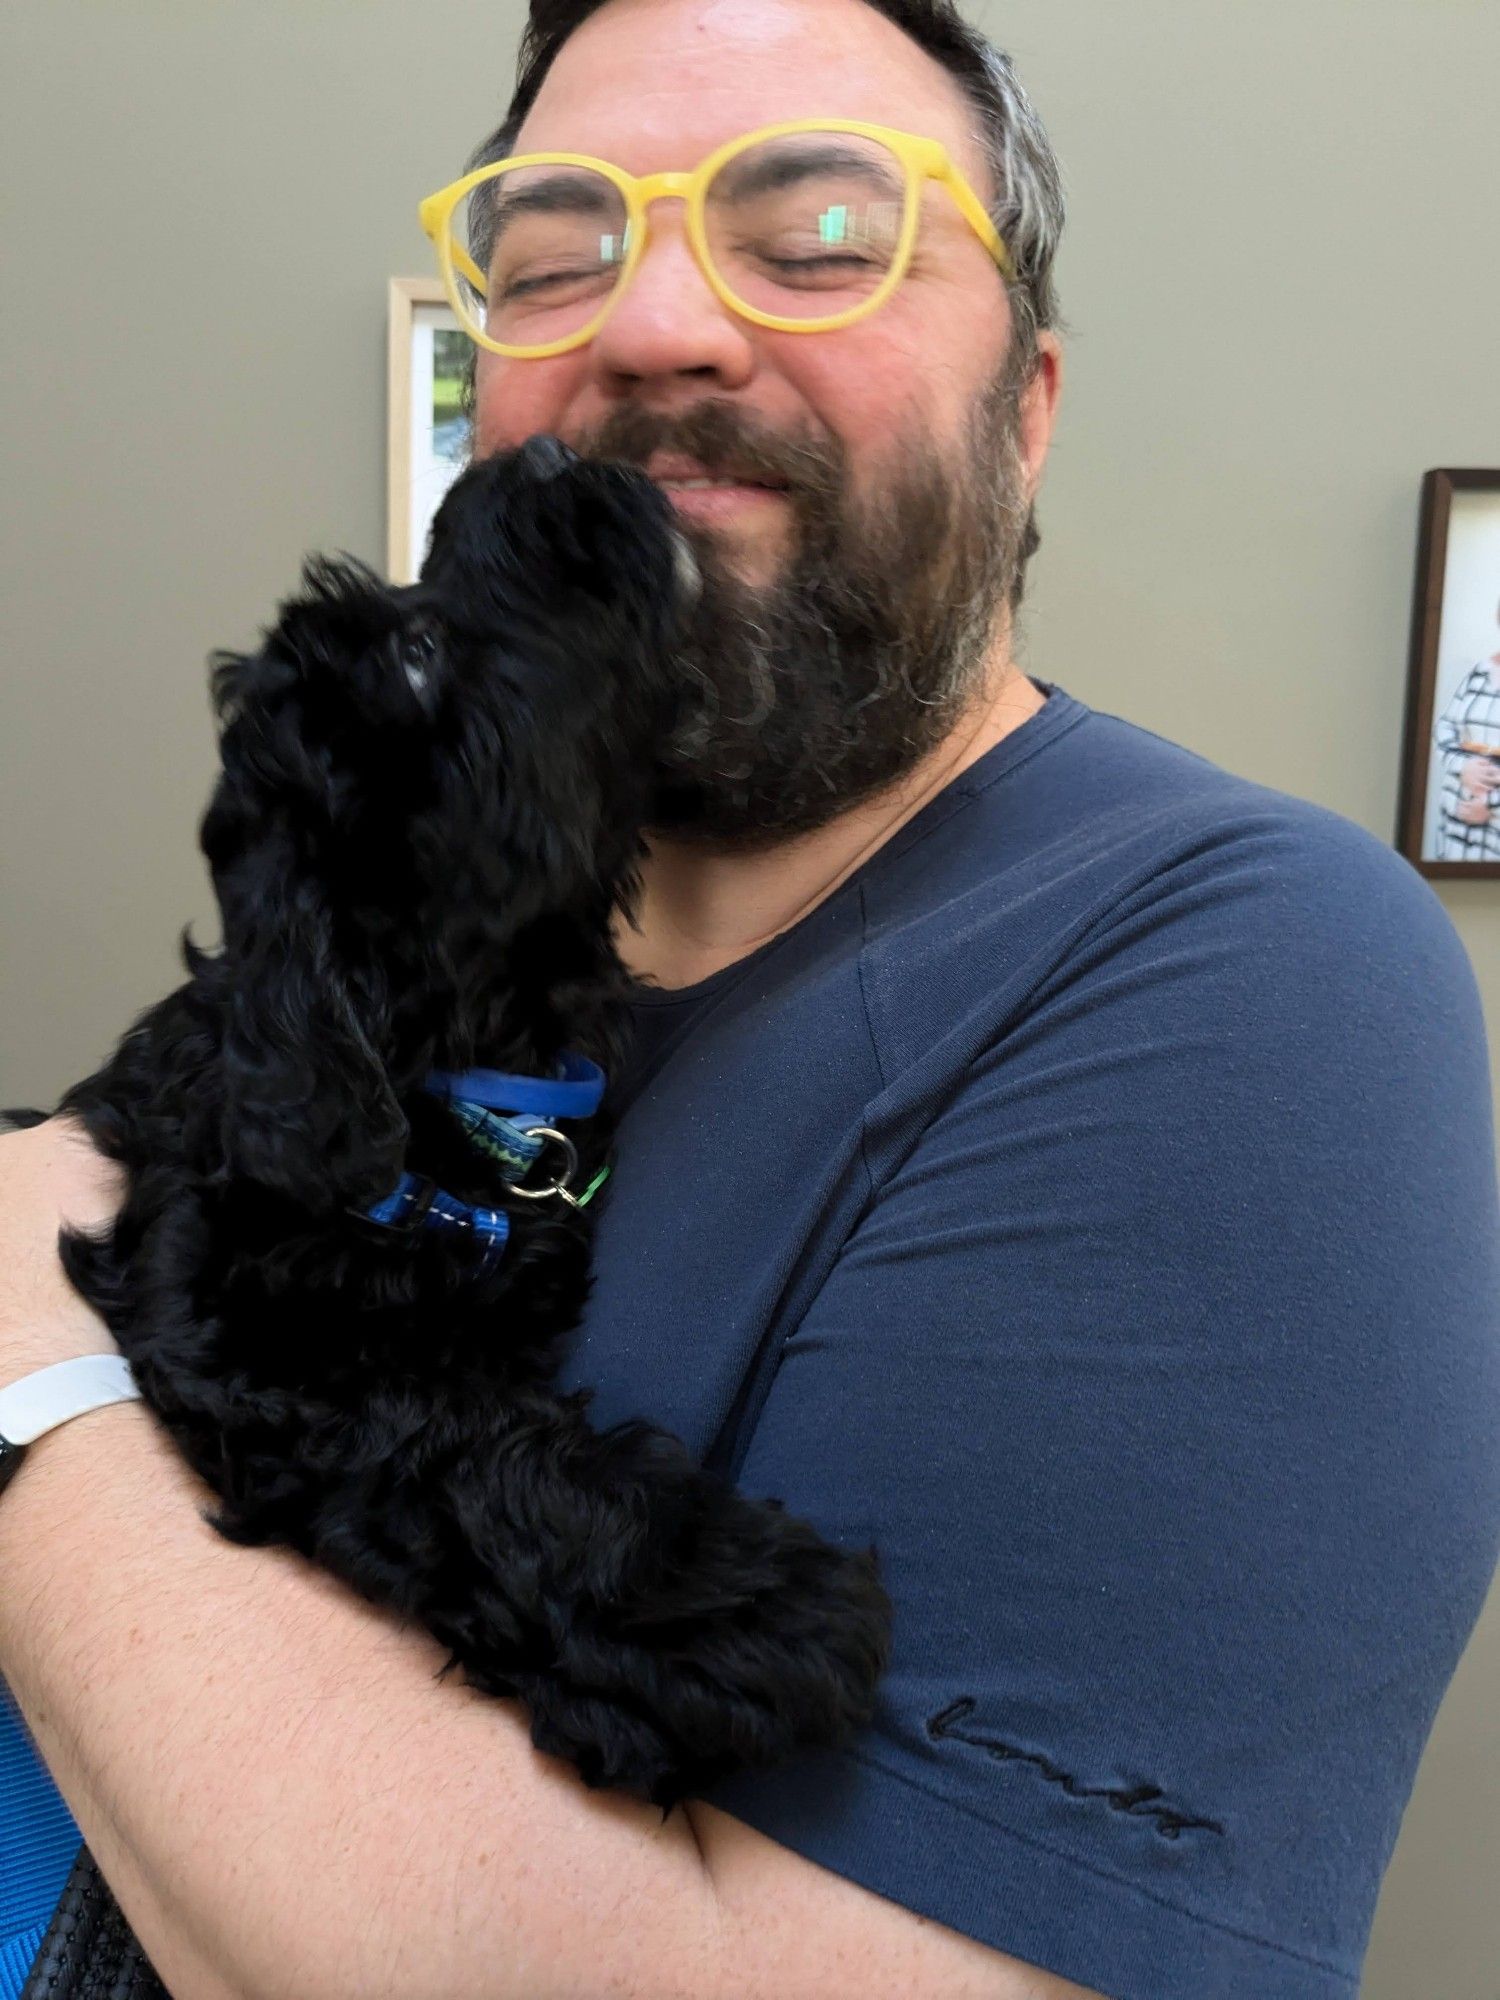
1448	815
427	434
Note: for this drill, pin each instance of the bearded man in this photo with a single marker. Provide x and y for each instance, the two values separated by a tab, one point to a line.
1048	1157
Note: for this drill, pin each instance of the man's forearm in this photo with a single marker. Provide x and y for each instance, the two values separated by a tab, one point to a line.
82	1616
280	1794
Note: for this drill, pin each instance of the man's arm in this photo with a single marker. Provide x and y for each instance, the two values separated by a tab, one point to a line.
281	1795
283	1798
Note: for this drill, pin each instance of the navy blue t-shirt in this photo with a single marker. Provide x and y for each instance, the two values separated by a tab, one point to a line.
1092	1204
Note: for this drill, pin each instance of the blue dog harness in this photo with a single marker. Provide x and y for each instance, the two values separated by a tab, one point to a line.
507	1117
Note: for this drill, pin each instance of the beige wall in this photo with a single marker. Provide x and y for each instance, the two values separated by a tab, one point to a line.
1281	265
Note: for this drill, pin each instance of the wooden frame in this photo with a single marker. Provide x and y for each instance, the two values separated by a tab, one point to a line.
1448	818
418	473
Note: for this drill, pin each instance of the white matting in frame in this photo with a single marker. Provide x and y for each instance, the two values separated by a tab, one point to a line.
428	433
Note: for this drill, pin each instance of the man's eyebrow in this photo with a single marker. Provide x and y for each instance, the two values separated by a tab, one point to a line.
573	191
761	172
569	191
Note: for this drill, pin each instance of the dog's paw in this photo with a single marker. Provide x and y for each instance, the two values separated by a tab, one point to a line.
767	1640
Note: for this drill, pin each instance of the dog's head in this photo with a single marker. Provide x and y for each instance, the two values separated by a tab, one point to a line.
415	775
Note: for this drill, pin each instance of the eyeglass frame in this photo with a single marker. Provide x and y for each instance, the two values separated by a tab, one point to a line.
923	159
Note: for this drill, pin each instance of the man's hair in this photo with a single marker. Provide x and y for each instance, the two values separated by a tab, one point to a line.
1028	207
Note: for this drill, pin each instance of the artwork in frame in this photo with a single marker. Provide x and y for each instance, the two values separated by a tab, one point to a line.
1448	820
428	432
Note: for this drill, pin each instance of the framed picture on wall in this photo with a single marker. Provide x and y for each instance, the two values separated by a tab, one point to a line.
1448	819
428	432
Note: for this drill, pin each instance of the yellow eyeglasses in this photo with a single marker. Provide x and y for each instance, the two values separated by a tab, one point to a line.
803	227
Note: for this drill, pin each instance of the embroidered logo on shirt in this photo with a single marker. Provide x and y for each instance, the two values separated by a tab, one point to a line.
1139	1803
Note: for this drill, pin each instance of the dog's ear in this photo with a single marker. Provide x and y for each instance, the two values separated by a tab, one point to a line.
309	1110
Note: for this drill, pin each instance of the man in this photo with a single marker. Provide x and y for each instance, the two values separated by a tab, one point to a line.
1049	1157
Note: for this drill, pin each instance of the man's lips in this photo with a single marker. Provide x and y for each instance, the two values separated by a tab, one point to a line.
716	503
665	468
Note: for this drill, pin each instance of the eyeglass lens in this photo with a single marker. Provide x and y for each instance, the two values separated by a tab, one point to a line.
803	226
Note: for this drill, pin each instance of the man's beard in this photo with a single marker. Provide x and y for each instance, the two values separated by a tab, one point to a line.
807	697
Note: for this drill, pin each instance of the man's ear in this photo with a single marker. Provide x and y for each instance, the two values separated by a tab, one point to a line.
309	1110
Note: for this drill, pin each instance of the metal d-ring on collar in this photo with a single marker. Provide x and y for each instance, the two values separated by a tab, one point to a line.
504	1114
557	1187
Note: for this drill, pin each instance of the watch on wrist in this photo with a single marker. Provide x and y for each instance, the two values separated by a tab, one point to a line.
39	1402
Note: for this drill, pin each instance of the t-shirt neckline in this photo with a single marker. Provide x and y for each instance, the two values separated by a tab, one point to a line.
1058	710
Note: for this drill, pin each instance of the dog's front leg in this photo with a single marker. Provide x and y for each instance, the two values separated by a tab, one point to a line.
661	1629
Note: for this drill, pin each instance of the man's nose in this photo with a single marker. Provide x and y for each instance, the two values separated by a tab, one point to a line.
668	318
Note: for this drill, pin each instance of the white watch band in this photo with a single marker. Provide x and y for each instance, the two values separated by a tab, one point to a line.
40	1402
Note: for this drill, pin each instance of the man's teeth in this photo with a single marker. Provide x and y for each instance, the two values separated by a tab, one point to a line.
687	484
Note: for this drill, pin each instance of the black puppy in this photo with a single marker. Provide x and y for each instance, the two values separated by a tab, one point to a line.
339	1276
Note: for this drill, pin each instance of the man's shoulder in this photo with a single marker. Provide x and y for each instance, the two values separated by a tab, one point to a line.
1115	841
1132	792
1213	848
1095	804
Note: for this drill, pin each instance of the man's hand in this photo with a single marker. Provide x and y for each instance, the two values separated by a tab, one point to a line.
50	1175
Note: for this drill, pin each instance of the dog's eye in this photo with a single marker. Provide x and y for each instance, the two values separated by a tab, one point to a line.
418	652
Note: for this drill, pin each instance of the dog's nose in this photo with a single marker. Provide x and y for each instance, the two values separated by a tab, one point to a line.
546	455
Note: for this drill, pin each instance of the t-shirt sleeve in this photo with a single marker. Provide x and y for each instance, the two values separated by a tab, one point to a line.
1162	1374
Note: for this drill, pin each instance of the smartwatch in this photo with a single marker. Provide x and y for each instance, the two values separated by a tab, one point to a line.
40	1402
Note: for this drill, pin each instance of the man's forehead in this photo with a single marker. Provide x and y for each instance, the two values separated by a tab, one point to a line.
652	84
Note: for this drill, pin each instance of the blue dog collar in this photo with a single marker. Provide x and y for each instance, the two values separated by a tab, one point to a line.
479	1099
574	1093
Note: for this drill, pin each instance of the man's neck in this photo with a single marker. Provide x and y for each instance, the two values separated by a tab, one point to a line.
700	911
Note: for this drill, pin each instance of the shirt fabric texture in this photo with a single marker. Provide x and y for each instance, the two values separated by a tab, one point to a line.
1092	1205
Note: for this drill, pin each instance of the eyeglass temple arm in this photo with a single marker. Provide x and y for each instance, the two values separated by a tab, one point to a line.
427	216
469	268
973	208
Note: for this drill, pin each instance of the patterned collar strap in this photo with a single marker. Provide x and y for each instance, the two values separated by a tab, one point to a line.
415	1203
509	1142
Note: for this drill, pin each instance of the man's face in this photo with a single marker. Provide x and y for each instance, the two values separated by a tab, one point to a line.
849	621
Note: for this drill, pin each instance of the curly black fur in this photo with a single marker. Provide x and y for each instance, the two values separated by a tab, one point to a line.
430	804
